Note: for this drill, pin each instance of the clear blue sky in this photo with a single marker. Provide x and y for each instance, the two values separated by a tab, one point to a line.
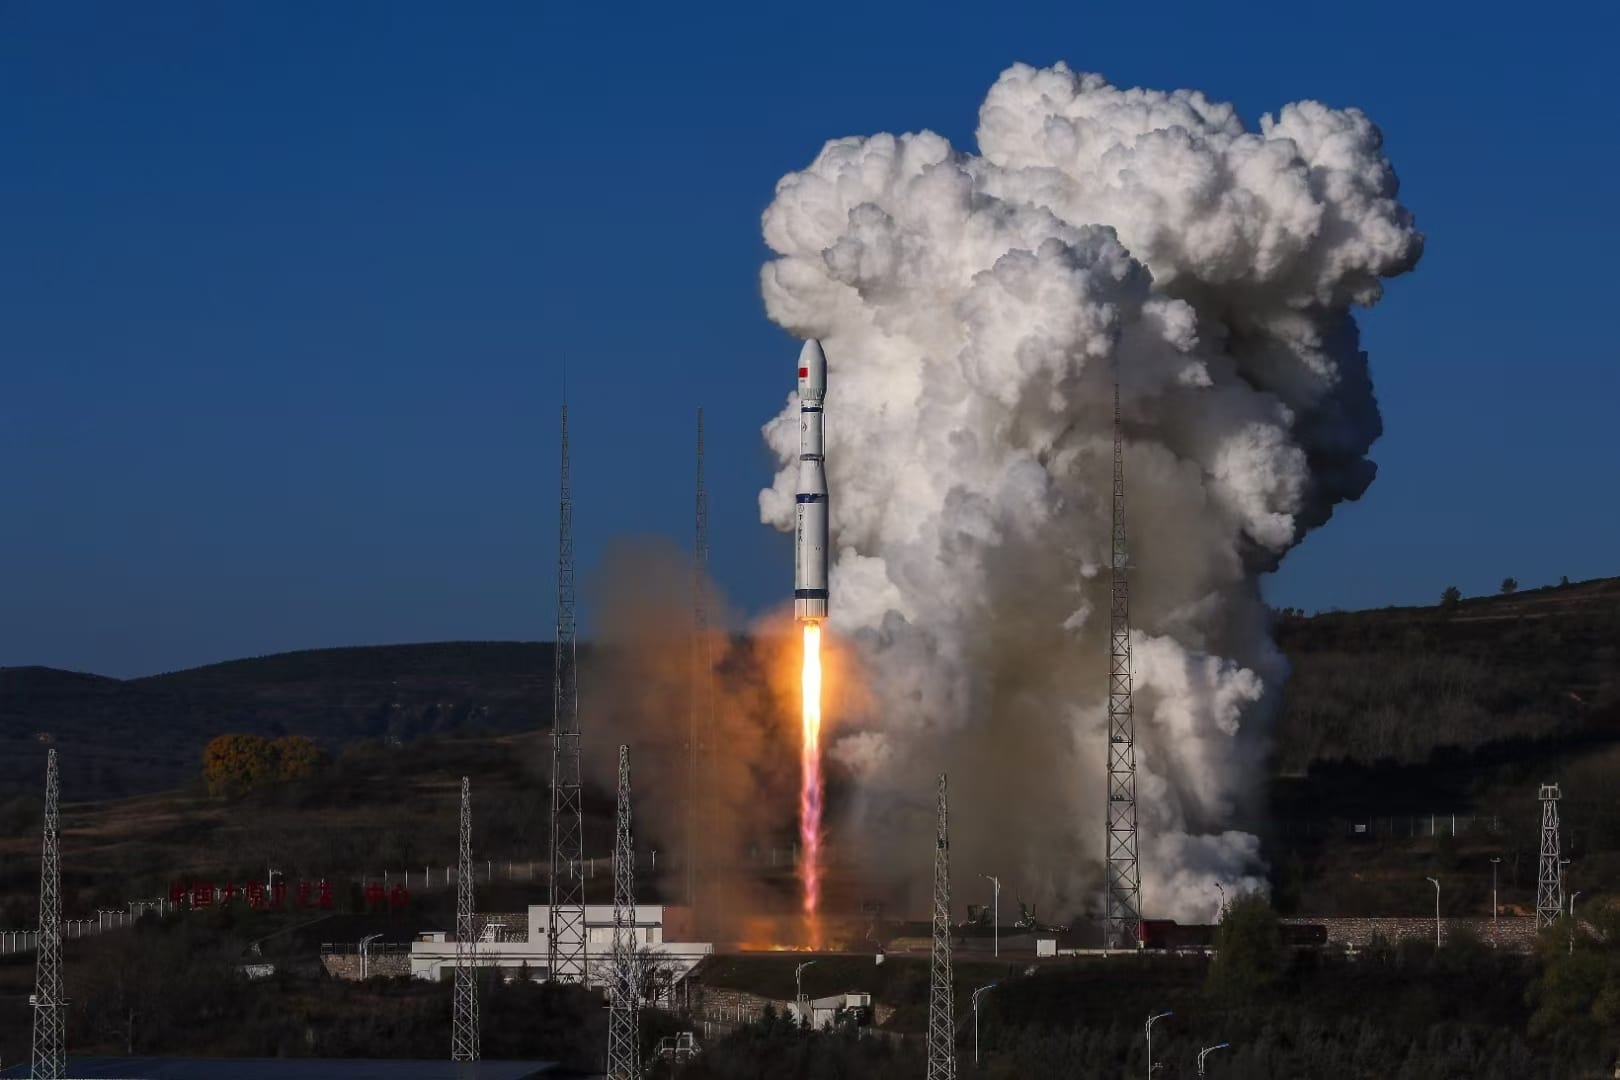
285	289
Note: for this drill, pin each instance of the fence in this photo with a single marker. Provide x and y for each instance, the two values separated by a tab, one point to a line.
18	941
1394	828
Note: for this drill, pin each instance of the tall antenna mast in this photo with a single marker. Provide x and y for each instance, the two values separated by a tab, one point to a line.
702	676
464	1024
50	1054
565	941
941	1010
624	1018
1550	880
1122	903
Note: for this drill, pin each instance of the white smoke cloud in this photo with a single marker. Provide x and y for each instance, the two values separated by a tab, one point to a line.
973	309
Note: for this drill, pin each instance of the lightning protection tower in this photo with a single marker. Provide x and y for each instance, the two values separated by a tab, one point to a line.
464	1023
702	695
624	1018
565	940
1550	879
50	1054
1122	902
941	1009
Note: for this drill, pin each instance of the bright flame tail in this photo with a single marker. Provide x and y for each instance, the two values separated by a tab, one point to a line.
810	791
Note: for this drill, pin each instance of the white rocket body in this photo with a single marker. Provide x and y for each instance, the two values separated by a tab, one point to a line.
810	513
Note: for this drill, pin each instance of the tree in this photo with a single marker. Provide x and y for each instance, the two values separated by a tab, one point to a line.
1249	953
234	765
1451	598
296	757
1509	585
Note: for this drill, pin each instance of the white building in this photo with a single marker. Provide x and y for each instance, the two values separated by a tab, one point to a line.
507	944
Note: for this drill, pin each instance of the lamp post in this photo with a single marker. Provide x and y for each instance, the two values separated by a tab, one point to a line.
976	995
365	946
1572	897
1495	907
995	911
1206	1051
1222	894
1150	1022
1435	882
798	991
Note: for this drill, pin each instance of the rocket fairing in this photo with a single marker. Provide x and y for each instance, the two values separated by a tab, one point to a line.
810	513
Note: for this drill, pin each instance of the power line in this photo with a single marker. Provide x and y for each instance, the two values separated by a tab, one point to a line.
565	941
624	1017
941	1010
464	1024
50	1054
1122	902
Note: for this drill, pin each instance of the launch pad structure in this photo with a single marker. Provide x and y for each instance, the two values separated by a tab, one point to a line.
1122	902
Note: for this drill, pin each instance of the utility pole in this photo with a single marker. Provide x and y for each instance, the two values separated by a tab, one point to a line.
1150	1022
1122	901
995	911
50	1040
565	942
624	1017
1550	879
1496	908
941	1010
1206	1051
464	1024
701	718
977	994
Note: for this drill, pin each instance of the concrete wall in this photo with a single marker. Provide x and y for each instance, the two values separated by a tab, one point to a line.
1511	932
388	965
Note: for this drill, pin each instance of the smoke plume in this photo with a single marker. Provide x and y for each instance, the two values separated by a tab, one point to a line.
974	309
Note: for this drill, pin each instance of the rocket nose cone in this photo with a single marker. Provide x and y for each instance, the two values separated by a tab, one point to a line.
812	368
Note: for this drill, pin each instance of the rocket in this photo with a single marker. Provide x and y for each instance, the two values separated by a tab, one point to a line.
810	512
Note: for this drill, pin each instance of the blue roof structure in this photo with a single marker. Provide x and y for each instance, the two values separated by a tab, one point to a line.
138	1068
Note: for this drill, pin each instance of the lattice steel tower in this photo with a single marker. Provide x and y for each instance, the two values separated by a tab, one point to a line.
624	995
50	1020
565	940
702	695
464	1023
1122	901
941	1009
1550	880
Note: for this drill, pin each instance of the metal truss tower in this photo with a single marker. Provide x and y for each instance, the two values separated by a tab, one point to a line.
1122	901
702	695
941	1009
50	1021
464	1024
624	995
1550	879
565	939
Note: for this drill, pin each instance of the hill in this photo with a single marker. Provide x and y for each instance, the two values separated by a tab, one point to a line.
1384	687
123	737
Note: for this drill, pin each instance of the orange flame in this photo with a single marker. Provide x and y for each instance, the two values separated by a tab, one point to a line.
811	786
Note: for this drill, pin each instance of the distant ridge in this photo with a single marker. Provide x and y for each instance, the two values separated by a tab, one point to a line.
122	737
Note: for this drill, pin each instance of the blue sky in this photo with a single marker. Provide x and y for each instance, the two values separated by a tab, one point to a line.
285	291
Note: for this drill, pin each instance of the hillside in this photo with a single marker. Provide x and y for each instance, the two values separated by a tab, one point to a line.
131	736
1393	686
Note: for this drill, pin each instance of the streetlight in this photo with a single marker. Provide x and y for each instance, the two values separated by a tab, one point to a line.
1150	1022
1222	893
1495	908
1206	1051
1436	885
976	994
995	911
798	990
1572	897
365	944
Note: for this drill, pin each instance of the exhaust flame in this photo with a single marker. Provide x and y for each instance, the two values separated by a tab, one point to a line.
811	788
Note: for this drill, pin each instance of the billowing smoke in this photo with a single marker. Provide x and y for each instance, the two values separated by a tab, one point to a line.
974	309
